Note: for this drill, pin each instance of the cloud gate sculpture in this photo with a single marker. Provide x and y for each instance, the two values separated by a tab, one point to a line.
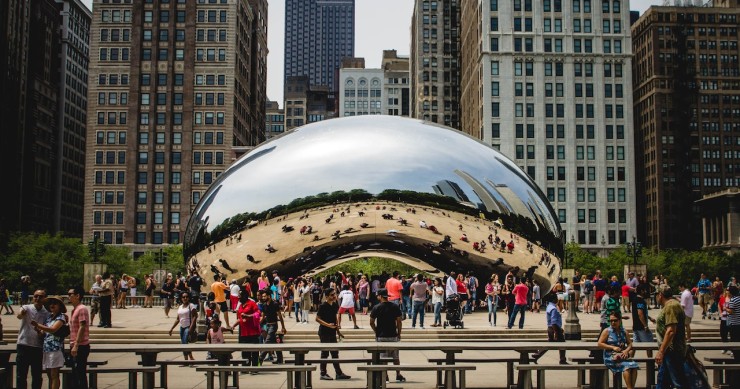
380	186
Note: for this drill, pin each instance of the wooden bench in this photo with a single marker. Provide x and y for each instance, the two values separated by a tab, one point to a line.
92	380
540	369
132	372
164	364
375	379
718	370
650	370
509	366
223	371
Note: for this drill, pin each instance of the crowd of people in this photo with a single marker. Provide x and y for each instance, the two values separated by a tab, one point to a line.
261	305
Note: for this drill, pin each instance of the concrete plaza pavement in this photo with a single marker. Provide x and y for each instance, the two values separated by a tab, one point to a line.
138	323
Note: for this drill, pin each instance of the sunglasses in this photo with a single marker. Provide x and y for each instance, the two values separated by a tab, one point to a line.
613	320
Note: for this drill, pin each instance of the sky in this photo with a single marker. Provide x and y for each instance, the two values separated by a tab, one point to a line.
380	25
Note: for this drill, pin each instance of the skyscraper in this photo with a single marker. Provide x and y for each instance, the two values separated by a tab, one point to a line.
44	82
549	84
177	89
687	117
318	34
435	62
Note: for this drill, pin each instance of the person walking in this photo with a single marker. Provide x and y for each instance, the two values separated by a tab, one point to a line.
451	285
394	287
234	291
385	320
79	338
107	290
187	316
554	328
151	285
640	331
704	287
419	293
29	345
219	288
438	296
347	299
520	303
363	293
95	299
724	329
248	321
733	321
53	342
271	314
618	350
687	303
167	293
327	316
671	330
305	300
472	281
493	289
5	299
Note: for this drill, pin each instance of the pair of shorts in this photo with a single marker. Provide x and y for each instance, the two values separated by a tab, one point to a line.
599	295
223	306
133	292
53	360
705	298
351	310
388	353
687	320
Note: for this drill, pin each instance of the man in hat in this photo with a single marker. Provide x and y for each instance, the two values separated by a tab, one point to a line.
29	346
385	320
79	337
671	330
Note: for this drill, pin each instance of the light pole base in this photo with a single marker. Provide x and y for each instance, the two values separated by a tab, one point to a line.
572	326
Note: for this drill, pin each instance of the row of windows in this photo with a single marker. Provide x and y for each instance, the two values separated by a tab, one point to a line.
157	198
116	16
109	157
581	172
362	104
110	137
611	216
205	178
109	197
209	118
621	195
582	152
160	118
210	55
164	16
551	131
112	117
362	93
115	34
110	177
100	217
113	98
142	178
112	79
210	35
579	69
212	16
157	217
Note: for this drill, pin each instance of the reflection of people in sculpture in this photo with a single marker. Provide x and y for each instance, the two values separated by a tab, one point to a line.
303	230
250	258
433	229
226	265
364	225
423	224
464	237
270	249
510	246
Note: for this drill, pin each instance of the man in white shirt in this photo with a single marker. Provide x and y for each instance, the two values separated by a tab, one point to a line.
451	286
234	292
347	304
687	303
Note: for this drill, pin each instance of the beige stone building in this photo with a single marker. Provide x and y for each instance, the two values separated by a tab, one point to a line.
548	83
177	91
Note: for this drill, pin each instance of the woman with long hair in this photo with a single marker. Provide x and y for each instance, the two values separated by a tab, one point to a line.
363	293
438	296
493	289
186	318
53	358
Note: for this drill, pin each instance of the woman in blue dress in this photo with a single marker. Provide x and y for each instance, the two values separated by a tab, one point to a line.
618	350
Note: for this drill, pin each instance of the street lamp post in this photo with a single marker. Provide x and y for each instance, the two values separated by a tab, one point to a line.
634	249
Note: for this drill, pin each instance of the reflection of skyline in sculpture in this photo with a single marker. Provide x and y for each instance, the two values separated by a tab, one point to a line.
452	189
489	202
332	175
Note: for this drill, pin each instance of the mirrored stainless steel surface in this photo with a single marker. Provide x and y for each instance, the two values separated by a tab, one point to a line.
384	186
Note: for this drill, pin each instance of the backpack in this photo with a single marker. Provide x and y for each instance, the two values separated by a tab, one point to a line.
588	287
471	283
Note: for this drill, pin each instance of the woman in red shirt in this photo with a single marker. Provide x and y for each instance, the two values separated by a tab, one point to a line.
462	290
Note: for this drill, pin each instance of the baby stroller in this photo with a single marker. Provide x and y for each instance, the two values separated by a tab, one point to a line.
453	312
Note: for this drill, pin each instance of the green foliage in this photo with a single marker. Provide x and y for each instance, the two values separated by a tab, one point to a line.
372	266
53	261
678	266
56	263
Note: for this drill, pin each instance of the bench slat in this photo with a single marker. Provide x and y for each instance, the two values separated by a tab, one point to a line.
416	367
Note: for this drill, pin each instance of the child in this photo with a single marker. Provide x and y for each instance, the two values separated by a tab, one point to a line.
215	336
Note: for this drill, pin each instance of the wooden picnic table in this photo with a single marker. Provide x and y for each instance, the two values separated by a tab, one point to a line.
149	353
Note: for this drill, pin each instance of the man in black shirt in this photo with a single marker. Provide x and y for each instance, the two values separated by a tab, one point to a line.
328	331
195	283
385	320
271	314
